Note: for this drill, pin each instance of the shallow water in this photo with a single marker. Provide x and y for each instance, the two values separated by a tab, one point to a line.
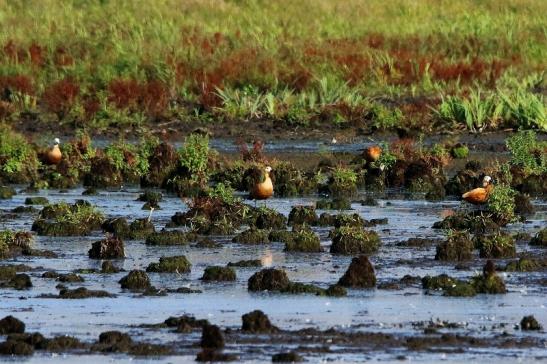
378	310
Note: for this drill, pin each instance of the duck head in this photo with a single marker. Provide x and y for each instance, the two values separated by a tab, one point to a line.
56	141
268	169
486	181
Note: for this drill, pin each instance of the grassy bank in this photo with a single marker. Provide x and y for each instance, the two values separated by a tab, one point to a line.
427	65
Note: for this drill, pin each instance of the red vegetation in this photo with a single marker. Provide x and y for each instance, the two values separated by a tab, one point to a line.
60	96
152	96
252	155
37	54
62	58
17	83
14	52
124	94
91	106
404	149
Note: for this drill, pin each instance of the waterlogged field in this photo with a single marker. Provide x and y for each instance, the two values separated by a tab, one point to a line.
395	306
133	238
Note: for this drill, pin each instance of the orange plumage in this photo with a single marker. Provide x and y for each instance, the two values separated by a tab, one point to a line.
263	190
372	153
54	155
479	195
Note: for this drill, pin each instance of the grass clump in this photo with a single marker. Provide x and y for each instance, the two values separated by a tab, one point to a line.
343	182
18	160
63	219
303	240
501	203
477	112
177	264
457	247
14	239
499	245
252	236
524	109
540	239
527	152
194	158
218	273
460	151
354	240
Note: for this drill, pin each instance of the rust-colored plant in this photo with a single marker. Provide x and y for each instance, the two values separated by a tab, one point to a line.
60	96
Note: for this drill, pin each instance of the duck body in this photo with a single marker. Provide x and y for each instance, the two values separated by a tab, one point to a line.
54	155
478	196
264	189
372	153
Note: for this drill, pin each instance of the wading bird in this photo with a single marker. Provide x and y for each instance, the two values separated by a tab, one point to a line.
479	196
54	155
263	190
372	153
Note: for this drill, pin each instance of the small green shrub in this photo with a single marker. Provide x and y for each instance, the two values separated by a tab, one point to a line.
223	192
439	151
528	152
194	156
384	118
386	160
16	153
502	203
460	151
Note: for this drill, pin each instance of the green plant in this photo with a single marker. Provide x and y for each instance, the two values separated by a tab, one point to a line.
384	118
145	150
528	152
460	151
501	202
115	153
223	192
524	109
81	214
476	112
9	238
15	152
386	160
246	103
344	176
439	151
194	156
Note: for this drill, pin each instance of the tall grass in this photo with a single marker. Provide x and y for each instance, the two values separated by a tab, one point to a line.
81	60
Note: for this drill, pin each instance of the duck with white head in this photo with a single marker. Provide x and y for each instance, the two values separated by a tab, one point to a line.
54	154
264	189
480	195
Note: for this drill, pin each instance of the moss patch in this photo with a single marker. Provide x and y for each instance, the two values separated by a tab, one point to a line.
218	273
252	236
175	264
354	240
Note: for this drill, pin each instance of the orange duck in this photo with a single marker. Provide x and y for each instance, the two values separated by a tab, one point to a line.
479	196
263	190
54	155
372	153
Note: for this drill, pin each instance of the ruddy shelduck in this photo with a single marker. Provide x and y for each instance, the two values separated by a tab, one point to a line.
54	155
479	196
263	190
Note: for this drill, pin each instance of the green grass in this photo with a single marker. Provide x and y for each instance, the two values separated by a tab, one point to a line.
15	152
104	63
528	152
